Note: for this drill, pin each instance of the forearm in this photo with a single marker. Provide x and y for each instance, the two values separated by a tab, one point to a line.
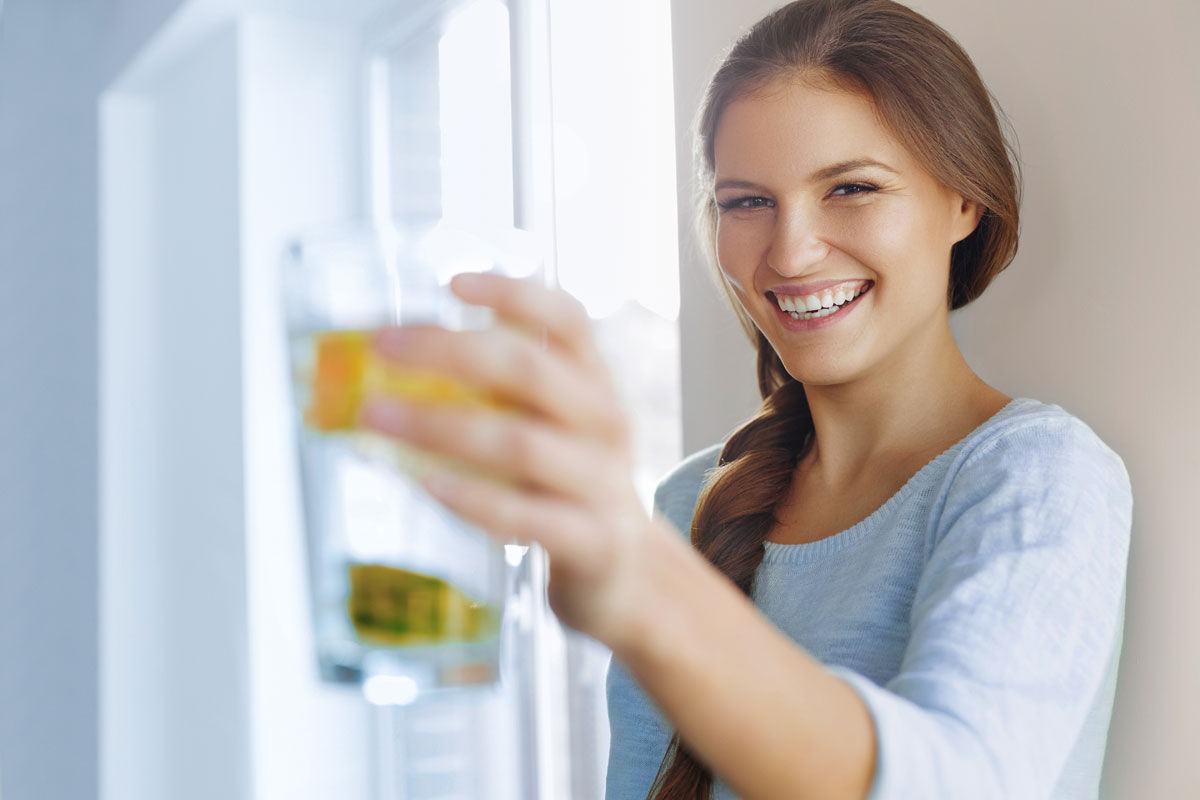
765	715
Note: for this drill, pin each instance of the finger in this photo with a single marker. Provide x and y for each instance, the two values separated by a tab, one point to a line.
515	368
511	446
508	514
529	306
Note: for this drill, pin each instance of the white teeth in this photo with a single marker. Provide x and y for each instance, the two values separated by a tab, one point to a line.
811	306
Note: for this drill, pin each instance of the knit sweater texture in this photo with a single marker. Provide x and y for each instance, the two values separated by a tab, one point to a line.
978	612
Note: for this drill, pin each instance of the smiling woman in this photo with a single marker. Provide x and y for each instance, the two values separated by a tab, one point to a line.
900	581
808	228
855	187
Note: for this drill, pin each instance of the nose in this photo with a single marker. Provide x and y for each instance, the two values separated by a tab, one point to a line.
796	245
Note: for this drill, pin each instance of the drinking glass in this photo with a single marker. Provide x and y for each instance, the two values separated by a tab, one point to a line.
407	598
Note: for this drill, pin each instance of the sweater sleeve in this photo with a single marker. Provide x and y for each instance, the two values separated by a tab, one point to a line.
1015	617
677	493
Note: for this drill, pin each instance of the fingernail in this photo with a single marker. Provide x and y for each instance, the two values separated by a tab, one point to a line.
468	278
469	281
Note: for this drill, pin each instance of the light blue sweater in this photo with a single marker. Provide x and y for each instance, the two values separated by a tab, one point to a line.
979	613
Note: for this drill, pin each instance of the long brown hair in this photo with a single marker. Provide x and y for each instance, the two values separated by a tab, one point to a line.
930	95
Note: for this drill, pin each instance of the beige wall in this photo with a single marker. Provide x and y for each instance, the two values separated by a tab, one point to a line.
1097	313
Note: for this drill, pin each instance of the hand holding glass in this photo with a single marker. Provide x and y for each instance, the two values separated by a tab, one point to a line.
406	596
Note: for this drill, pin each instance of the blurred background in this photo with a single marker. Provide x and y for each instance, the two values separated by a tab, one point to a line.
156	154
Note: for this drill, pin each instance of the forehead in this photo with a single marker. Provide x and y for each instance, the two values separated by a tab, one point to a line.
791	126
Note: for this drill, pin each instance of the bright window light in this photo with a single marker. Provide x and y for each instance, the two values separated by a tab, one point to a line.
476	119
615	204
615	155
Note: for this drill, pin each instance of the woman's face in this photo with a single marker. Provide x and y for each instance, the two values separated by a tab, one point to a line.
806	221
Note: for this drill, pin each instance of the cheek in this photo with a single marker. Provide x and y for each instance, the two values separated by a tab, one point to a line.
881	235
899	246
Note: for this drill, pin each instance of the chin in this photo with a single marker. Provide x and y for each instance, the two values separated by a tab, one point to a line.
819	375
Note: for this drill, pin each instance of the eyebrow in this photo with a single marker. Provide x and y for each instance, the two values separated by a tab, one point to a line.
823	174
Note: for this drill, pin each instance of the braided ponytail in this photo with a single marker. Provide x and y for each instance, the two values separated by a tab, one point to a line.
736	512
927	89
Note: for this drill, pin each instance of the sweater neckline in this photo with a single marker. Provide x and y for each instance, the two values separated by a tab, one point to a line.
805	552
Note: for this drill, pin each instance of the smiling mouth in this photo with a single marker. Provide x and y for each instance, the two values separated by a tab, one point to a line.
830	304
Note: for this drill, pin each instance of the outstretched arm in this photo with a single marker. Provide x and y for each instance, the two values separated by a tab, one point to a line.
766	716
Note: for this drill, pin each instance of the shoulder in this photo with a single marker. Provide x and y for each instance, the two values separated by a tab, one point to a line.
677	492
1029	435
1038	460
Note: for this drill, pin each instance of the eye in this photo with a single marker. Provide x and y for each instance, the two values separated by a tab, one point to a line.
748	202
853	189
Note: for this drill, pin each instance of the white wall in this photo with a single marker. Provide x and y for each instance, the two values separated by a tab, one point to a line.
125	27
48	57
53	56
173	559
56	57
1095	314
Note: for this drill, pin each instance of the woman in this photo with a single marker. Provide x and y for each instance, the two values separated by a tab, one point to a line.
902	582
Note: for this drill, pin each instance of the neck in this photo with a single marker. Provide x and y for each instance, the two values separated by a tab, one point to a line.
923	401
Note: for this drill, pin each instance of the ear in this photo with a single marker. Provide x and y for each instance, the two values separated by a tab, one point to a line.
966	218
